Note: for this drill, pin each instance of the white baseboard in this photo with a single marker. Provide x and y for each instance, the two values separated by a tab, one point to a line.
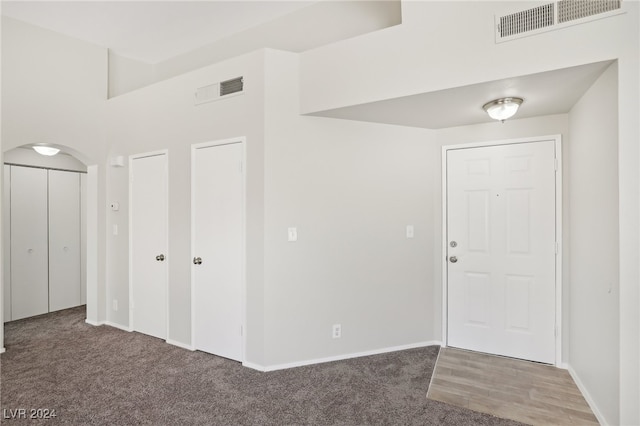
118	326
94	323
339	357
2	350
180	345
587	396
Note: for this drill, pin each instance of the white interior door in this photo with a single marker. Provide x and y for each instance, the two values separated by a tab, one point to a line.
64	240
29	246
502	249
148	244
217	201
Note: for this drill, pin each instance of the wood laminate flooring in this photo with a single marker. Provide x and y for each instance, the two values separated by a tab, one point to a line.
513	389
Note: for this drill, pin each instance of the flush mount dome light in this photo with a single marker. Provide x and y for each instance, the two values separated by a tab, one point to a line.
503	108
46	150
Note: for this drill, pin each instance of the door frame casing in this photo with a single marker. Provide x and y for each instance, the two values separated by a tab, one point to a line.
242	140
133	157
557	139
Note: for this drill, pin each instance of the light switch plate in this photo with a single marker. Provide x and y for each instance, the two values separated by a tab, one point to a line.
410	231
292	234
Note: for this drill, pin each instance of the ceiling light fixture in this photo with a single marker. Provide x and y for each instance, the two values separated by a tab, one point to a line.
503	108
46	150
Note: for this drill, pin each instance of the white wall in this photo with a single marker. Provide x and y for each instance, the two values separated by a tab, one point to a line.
53	91
163	116
315	25
127	74
350	188
437	54
595	239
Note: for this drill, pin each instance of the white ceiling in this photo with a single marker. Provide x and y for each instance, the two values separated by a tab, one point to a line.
552	92
149	31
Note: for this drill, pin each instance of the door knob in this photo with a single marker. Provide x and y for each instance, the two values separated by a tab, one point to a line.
197	261
453	259
160	257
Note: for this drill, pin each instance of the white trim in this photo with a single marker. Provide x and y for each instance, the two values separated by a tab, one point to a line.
340	357
559	231
118	326
163	152
242	140
180	345
558	189
94	299
2	350
94	323
585	393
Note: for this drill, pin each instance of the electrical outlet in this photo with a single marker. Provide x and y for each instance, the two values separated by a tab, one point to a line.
337	331
115	304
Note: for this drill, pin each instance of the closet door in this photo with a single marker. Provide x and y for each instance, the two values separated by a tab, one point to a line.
29	258
148	244
217	233
64	240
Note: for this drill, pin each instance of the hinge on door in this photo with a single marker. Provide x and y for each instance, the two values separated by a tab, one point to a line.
555	331
555	164
241	331
241	167
557	247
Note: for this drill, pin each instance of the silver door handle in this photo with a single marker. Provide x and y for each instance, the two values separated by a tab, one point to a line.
160	257
197	261
453	259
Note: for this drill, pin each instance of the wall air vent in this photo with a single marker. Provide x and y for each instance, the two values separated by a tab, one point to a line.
570	10
217	91
231	86
553	16
527	20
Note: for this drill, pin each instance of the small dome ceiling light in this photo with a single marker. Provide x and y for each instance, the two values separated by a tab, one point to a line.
503	108
46	150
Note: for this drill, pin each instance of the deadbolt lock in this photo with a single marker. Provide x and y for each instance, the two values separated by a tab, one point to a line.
453	244
197	261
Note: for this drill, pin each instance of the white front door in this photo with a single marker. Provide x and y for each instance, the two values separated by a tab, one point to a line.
217	232
501	241
148	244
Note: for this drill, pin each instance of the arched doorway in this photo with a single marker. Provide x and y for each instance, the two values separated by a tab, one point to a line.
67	160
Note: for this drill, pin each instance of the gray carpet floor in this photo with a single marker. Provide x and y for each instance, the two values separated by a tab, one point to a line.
102	375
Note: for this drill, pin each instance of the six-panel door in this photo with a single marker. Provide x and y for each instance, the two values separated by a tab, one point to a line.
501	249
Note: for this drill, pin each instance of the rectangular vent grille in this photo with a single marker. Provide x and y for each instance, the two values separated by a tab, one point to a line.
231	86
217	91
553	16
527	20
569	10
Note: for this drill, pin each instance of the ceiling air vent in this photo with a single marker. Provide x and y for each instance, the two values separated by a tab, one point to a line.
554	16
570	10
527	20
217	91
